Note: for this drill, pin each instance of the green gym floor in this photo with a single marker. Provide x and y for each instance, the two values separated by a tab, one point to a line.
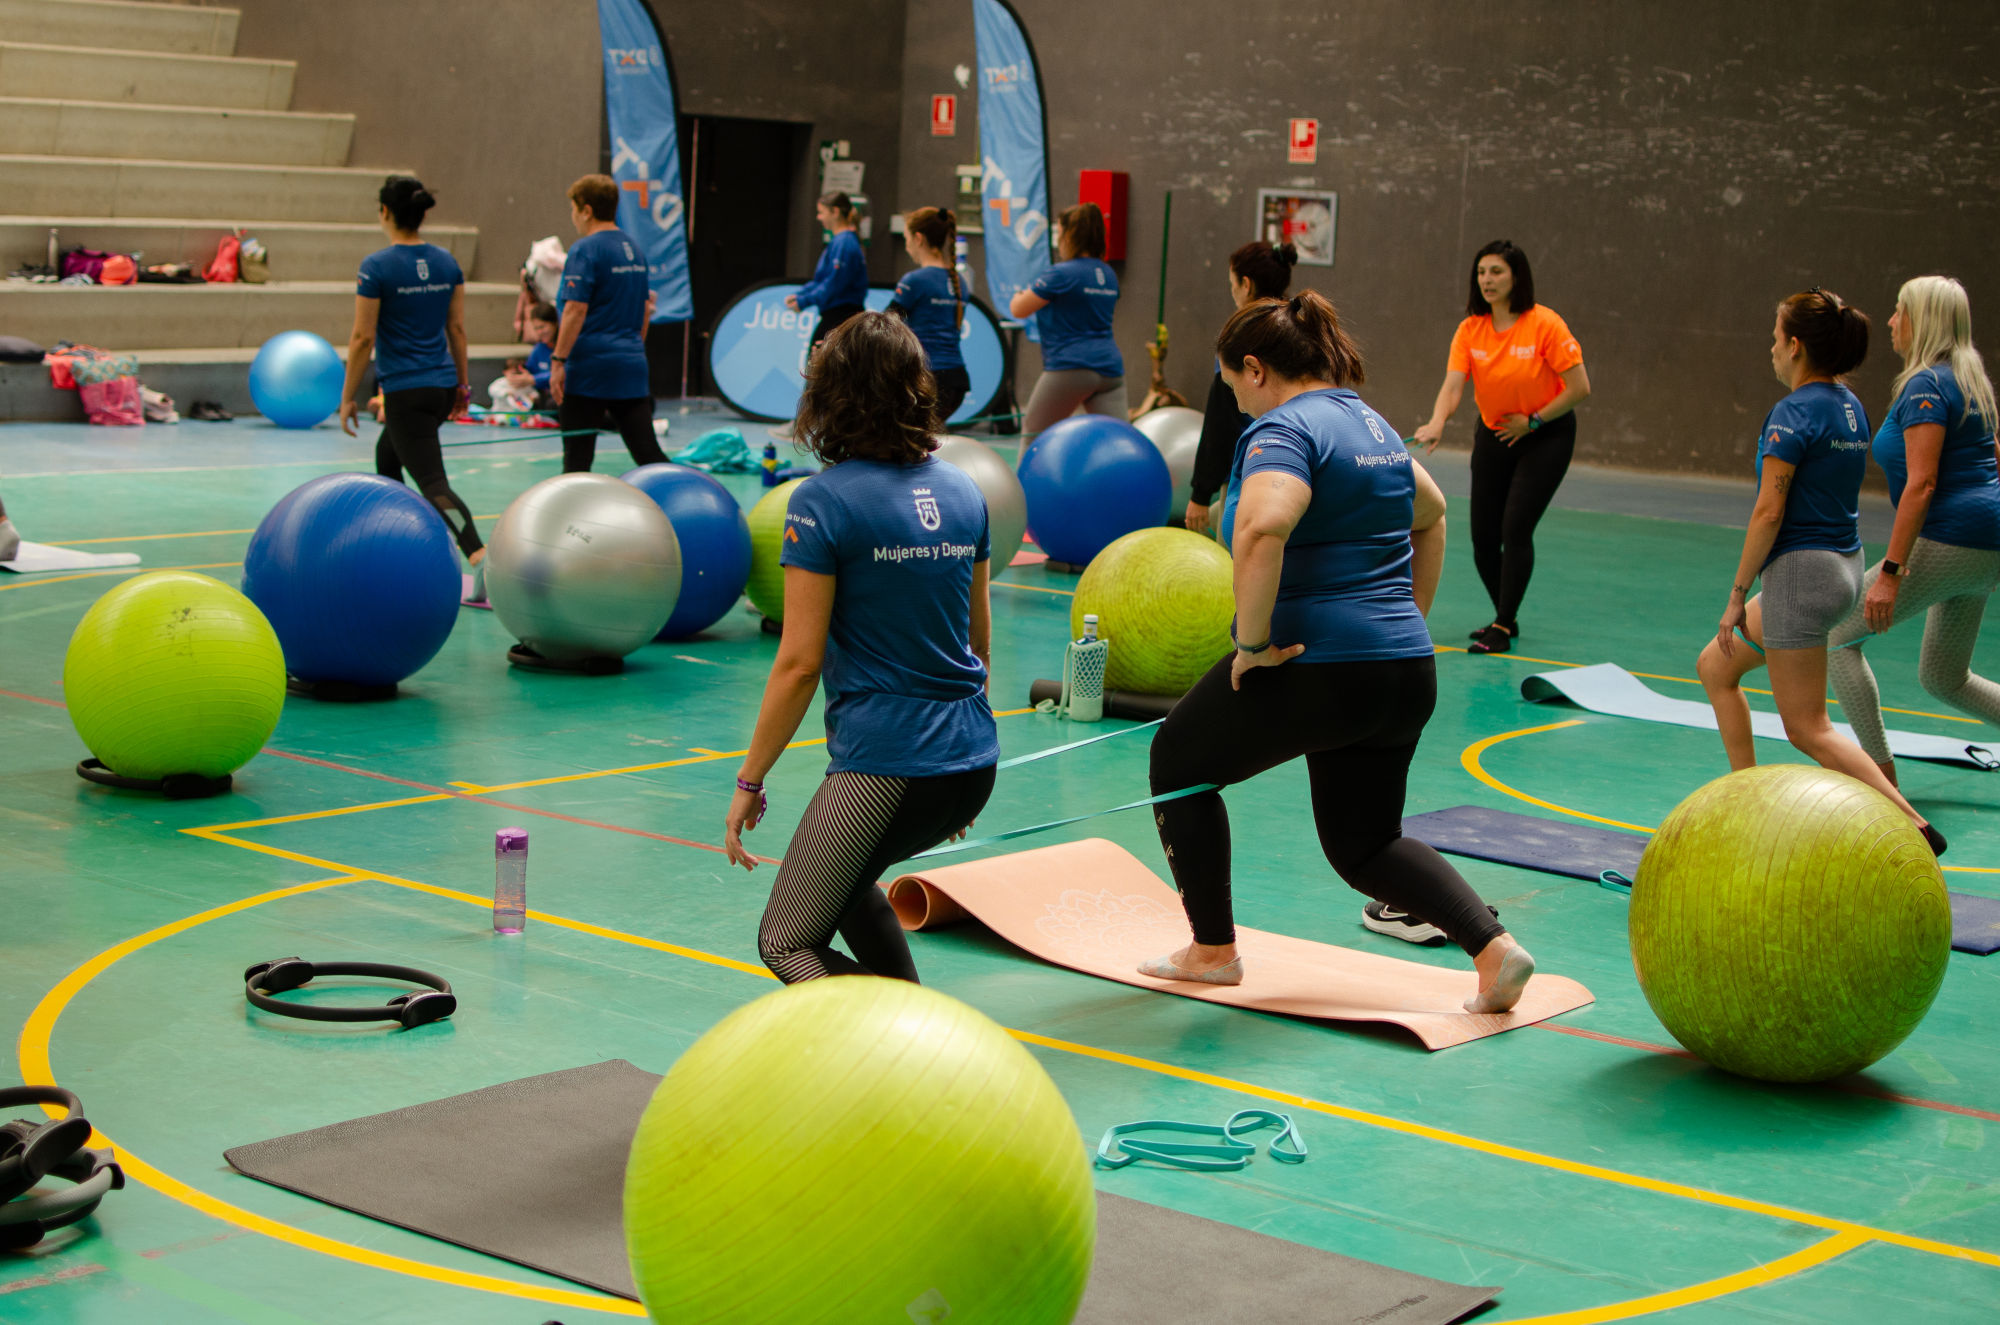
1584	1166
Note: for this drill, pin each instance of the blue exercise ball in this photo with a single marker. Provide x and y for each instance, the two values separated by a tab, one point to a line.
1090	480
357	575
714	538
296	379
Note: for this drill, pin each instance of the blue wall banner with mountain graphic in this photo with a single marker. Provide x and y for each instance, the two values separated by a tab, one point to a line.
757	352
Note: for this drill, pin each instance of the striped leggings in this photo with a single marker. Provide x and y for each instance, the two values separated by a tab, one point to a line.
856	827
1950	586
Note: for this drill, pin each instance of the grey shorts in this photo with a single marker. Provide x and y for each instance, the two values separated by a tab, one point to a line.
1806	593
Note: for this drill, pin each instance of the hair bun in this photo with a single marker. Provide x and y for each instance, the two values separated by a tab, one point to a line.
1288	254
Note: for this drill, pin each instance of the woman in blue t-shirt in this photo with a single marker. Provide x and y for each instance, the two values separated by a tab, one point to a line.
839	284
885	555
409	310
598	373
1339	542
932	301
1804	542
1072	304
1937	449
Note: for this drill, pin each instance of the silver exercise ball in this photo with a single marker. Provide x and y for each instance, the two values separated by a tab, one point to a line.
1176	430
583	566
1006	504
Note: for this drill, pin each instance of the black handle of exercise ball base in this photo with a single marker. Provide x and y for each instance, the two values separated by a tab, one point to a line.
280	974
30	1151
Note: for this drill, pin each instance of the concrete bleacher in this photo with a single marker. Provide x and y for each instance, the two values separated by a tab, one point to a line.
134	128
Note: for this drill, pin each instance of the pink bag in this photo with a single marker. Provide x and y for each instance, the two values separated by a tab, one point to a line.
113	403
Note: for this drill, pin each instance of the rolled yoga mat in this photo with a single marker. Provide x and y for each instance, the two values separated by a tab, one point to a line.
1117	703
1609	688
1093	907
533	1172
1579	851
41	558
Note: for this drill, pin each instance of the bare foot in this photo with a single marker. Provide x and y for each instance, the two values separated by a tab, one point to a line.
1504	967
1201	962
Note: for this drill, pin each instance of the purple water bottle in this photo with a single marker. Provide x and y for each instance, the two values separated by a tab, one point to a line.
510	880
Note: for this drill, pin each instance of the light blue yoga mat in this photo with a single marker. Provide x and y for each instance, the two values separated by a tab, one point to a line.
1609	688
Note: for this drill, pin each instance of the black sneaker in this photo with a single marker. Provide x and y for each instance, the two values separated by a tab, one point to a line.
208	411
1386	919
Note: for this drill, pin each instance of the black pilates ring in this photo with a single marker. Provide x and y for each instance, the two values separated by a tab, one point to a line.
26	1222
30	1151
433	1003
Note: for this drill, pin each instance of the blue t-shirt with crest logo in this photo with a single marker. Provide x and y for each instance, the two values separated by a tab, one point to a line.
1822	431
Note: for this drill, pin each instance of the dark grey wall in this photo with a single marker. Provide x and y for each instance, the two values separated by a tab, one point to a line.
496	106
836	65
1672	170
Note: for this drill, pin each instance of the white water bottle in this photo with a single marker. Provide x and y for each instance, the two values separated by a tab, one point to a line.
1083	674
510	880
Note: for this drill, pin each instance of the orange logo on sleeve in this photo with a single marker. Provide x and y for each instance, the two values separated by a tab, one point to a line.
791	534
1256	450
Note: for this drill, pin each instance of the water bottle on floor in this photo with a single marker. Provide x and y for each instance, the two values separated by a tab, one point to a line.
770	466
510	880
1083	674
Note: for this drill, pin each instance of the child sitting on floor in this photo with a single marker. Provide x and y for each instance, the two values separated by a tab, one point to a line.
514	389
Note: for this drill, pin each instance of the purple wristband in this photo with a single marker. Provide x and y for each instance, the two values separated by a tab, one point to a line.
754	788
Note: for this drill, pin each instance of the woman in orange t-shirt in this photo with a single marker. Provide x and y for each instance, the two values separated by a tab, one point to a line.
1527	375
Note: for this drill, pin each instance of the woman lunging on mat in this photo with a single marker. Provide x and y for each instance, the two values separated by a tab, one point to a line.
1937	448
885	556
1072	303
1527	376
1256	271
839	284
409	309
1804	542
1339	544
932	301
598	371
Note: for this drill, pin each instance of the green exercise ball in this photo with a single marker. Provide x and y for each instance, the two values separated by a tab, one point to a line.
767	533
173	672
1163	599
1789	924
859	1149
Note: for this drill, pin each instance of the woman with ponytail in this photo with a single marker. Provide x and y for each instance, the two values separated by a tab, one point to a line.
1072	304
932	300
1937	449
409	310
1256	271
1338	544
839	284
1804	542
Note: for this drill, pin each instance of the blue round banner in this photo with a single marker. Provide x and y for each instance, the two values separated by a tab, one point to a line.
757	352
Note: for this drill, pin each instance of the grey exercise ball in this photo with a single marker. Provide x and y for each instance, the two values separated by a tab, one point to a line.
1006	504
1176	430
583	566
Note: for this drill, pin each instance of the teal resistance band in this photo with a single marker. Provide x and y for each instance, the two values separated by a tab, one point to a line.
1018	760
1227	1153
1615	881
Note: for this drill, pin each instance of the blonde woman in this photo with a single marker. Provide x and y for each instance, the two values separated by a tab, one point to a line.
1937	448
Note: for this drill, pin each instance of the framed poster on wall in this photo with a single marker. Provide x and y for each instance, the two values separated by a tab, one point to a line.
1302	218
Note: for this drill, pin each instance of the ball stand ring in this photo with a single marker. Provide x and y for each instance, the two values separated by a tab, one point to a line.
526	658
410	1010
338	692
174	786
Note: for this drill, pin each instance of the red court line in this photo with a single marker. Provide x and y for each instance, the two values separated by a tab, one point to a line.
1845	1087
34	699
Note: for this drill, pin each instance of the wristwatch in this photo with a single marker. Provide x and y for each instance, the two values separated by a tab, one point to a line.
1893	567
1534	422
558	359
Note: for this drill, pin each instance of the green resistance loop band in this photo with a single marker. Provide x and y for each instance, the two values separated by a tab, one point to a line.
1615	881
953	848
1018	760
1227	1153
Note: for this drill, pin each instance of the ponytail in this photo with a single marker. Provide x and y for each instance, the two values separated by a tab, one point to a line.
1298	338
939	228
839	203
1834	334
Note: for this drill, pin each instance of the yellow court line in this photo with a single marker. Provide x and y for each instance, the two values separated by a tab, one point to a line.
35	581
194	533
1470	760
1031	588
37	1034
1689	680
335	813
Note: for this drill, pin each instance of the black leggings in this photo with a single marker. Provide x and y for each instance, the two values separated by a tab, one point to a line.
1357	724
580	417
409	440
952	385
857	826
1511	487
829	318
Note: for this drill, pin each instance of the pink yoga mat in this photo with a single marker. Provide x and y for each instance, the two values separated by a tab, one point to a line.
1093	907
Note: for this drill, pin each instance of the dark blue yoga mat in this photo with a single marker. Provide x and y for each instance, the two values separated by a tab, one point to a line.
1579	851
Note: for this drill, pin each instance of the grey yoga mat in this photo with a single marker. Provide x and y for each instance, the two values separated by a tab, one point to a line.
533	1172
1609	688
1579	851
